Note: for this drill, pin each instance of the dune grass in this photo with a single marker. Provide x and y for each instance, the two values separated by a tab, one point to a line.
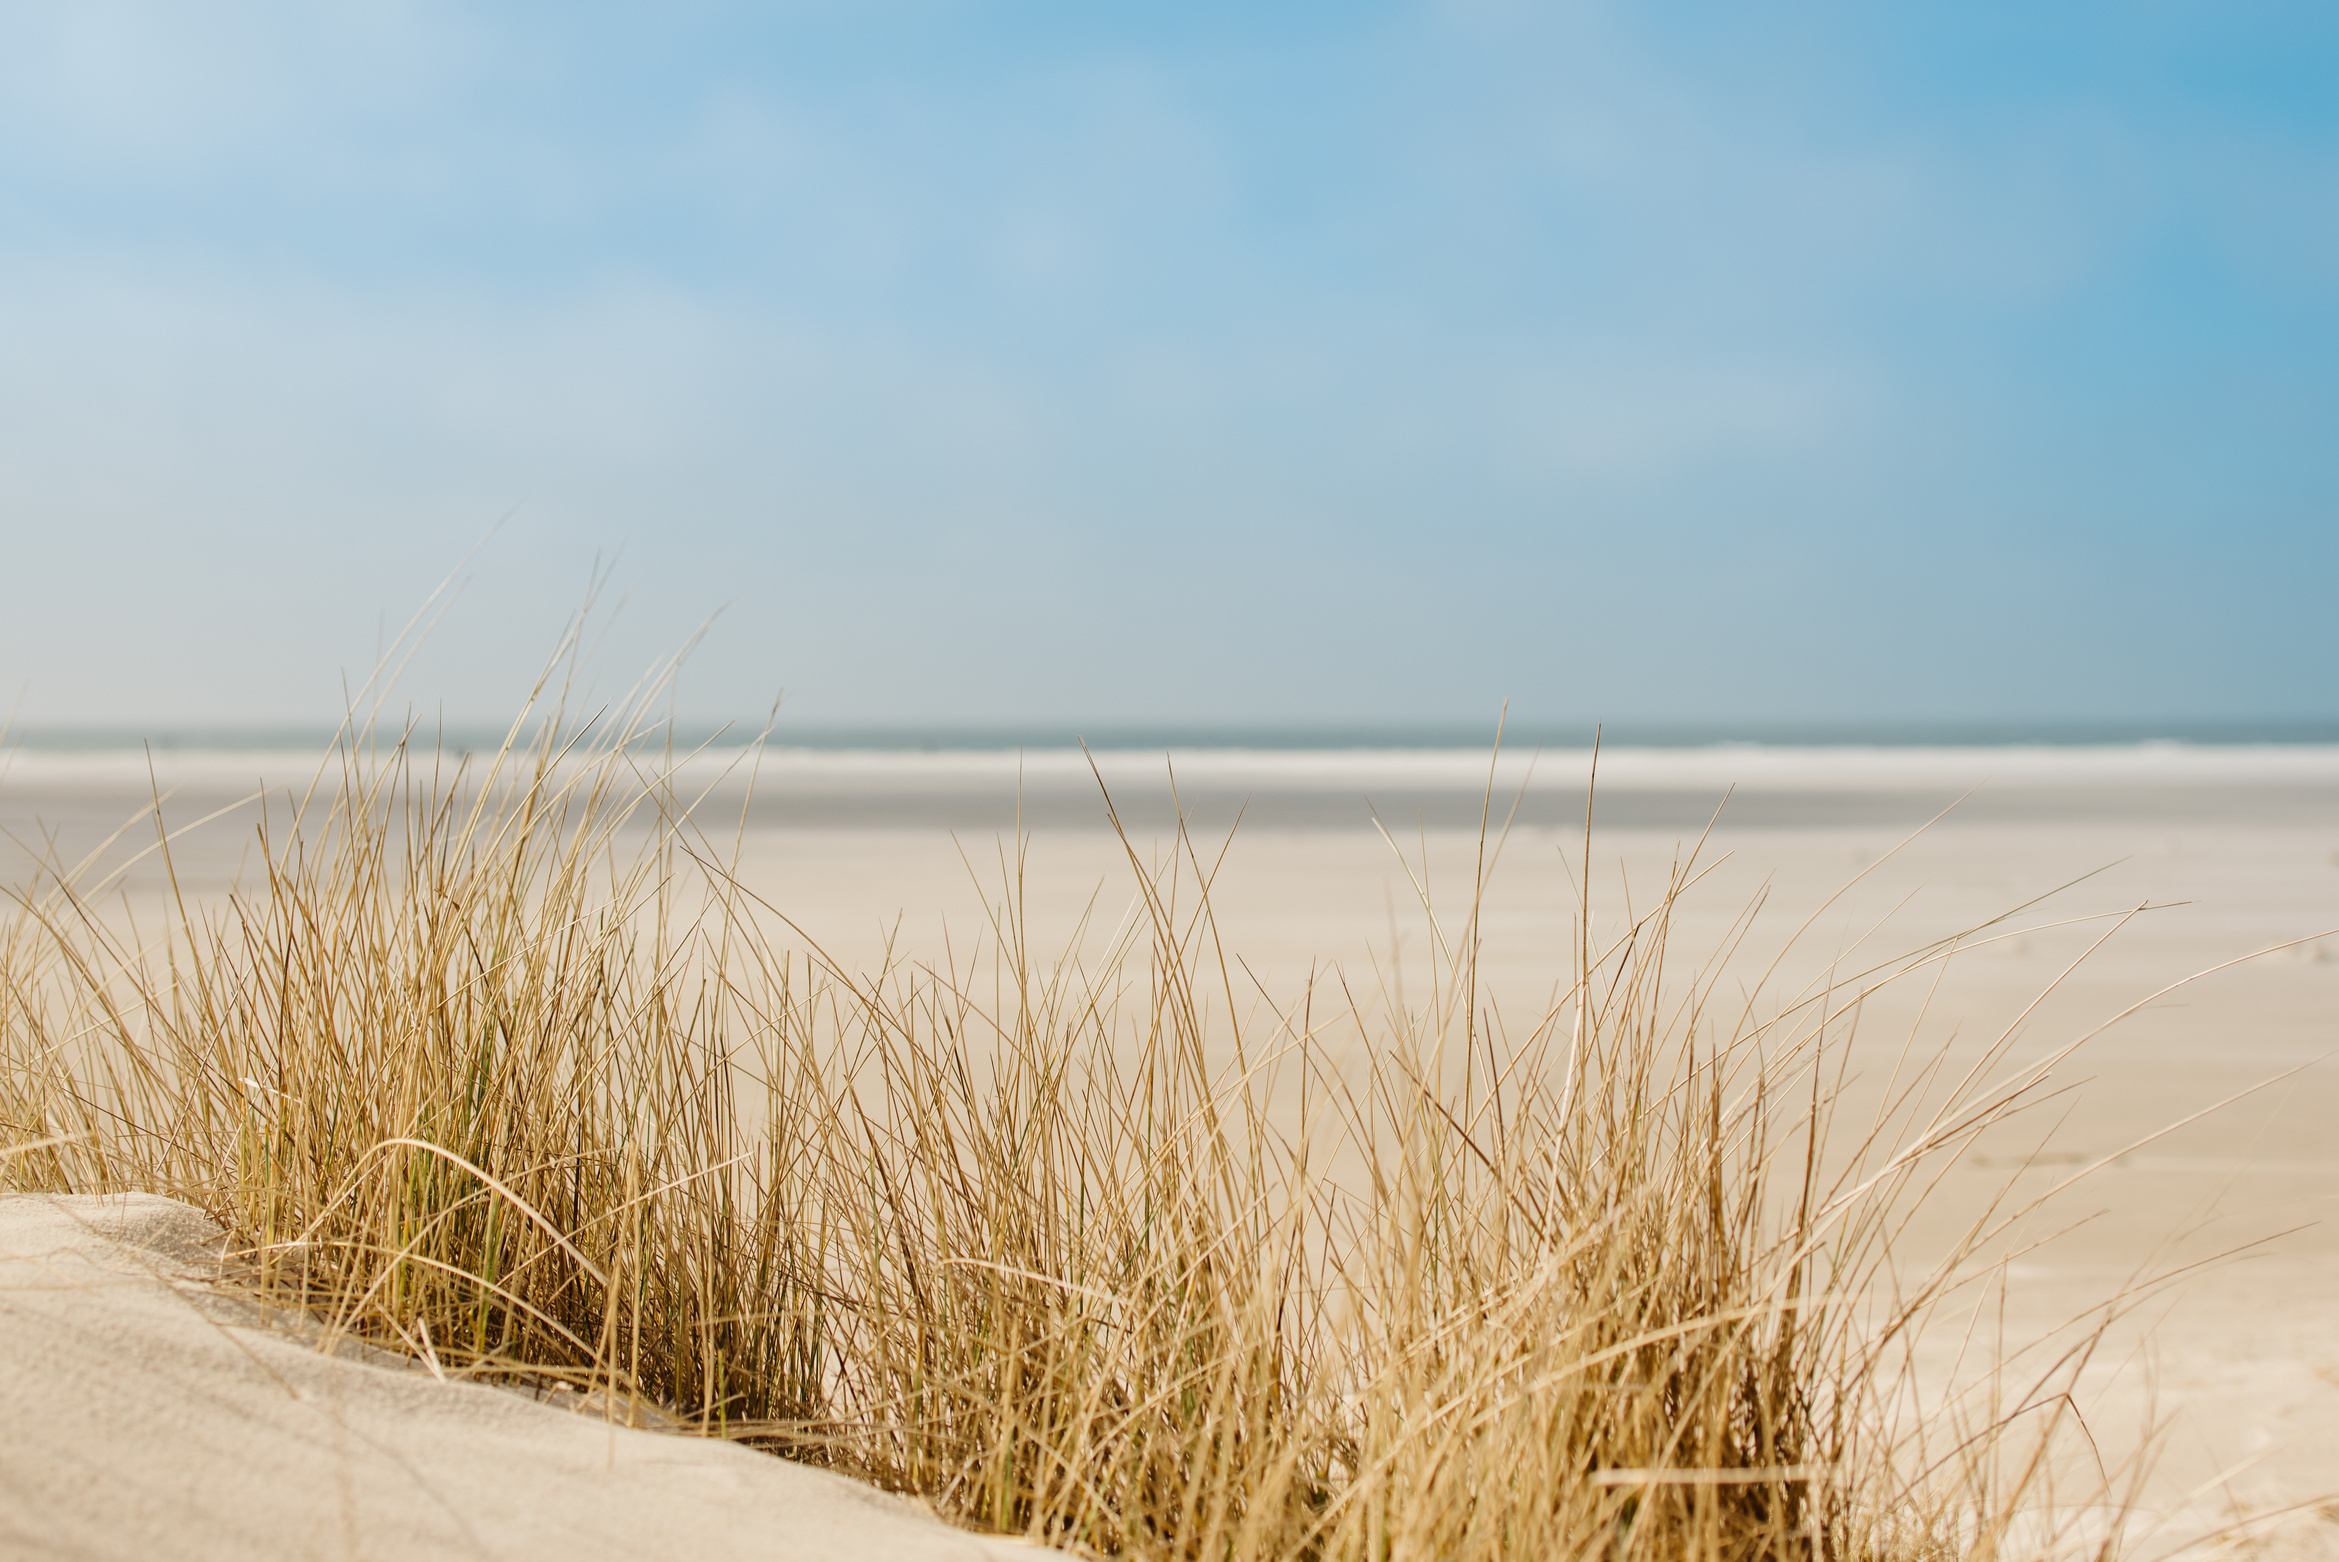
500	1065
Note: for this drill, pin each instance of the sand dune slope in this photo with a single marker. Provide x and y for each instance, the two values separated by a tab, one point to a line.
142	1417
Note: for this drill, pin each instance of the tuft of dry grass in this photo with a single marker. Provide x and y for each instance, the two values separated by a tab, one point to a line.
500	1064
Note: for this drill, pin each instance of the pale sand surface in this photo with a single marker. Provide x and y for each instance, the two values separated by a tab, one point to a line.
2237	1367
143	1415
2240	1364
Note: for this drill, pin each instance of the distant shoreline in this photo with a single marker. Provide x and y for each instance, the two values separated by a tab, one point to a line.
989	790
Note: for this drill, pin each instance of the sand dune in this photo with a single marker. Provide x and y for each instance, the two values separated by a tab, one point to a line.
143	1415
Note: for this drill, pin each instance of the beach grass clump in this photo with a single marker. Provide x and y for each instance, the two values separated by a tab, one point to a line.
499	1064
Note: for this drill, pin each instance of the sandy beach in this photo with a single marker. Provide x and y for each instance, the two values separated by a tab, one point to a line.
879	856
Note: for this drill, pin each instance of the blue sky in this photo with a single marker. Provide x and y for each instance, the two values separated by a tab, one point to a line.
999	360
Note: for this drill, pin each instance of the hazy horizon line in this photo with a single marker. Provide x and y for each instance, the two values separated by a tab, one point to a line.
1302	735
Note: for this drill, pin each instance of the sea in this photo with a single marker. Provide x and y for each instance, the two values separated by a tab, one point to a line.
1279	737
1663	775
